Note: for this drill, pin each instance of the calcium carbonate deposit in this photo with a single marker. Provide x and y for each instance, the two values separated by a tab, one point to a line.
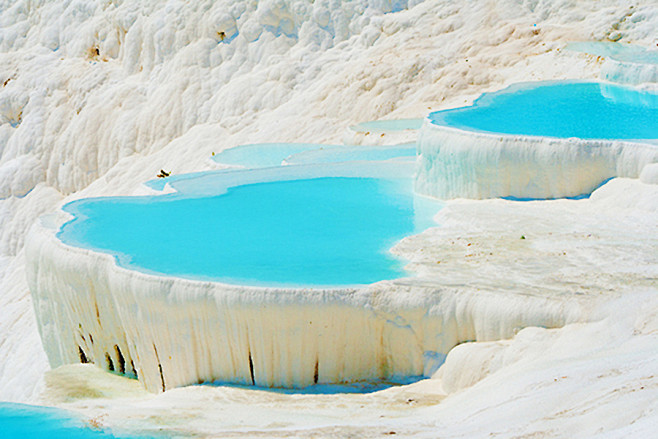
534	318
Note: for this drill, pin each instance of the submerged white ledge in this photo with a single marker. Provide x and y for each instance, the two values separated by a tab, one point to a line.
634	73
456	163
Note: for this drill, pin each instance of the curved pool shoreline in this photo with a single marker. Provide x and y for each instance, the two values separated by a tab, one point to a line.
170	332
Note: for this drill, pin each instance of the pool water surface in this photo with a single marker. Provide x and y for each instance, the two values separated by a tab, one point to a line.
317	232
585	110
19	421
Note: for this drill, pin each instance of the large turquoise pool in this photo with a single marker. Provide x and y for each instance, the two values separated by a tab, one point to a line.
330	231
586	110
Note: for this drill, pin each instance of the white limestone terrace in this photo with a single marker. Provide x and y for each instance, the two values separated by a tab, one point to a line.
172	332
521	167
164	91
379	132
478	280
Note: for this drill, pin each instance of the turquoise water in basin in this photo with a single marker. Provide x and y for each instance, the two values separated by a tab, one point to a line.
332	231
586	110
19	421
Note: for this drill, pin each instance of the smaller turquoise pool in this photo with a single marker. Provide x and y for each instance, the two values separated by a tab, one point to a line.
586	110
20	421
315	232
268	155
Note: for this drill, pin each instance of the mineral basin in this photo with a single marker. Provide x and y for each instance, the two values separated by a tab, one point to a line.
176	330
96	302
538	141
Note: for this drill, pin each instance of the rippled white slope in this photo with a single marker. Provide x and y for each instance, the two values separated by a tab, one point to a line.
163	92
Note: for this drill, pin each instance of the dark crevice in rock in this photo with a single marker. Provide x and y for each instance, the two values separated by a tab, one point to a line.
157	357
132	366
122	361
83	357
251	370
110	363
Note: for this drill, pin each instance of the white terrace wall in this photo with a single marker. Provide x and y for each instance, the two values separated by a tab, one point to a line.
454	163
173	332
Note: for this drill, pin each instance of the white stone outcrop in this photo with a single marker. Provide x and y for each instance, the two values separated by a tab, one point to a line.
455	163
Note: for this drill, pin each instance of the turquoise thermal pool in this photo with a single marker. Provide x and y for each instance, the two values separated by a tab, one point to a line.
586	110
316	232
269	155
18	421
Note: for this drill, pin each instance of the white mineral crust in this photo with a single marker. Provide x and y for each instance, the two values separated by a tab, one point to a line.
558	330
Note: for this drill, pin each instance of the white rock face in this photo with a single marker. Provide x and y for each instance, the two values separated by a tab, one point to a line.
641	68
456	163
